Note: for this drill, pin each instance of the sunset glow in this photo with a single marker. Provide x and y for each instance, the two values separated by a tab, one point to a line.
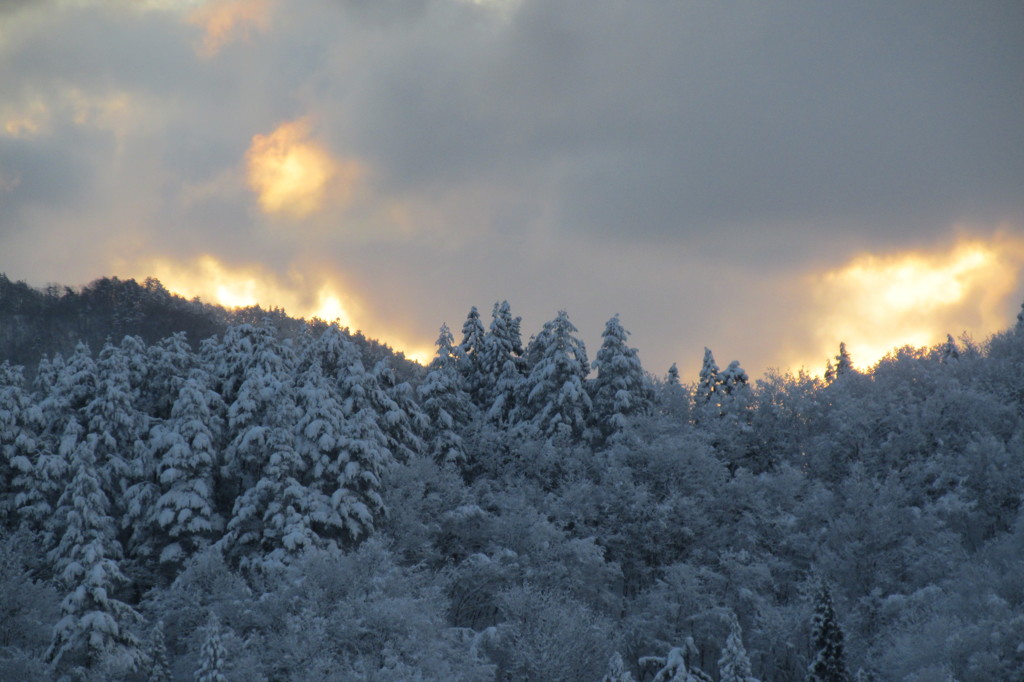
224	21
877	302
292	175
213	281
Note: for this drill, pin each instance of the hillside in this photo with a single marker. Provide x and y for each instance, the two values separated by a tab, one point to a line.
269	499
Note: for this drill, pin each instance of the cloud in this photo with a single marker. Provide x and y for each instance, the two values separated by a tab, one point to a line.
224	21
293	175
879	301
697	167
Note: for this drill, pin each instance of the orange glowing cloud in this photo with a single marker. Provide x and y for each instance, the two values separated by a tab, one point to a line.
224	21
875	303
292	175
300	293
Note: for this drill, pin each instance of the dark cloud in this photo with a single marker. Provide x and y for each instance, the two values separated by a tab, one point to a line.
672	161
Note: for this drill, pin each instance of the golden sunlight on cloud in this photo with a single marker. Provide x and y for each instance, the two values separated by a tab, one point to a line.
223	21
298	293
294	176
876	303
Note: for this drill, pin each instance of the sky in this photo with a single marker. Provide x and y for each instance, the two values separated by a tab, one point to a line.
763	179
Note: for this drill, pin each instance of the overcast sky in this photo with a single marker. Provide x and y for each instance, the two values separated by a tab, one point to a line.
765	179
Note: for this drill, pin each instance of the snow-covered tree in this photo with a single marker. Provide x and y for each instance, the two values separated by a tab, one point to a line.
829	659
186	449
679	666
554	402
708	380
17	440
616	671
95	627
621	389
212	656
844	364
446	405
734	664
39	483
171	361
400	417
470	357
159	668
502	365
364	454
261	367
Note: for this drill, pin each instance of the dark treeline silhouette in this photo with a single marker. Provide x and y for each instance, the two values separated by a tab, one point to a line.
283	499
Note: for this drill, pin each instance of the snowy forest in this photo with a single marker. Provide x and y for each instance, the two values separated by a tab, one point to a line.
189	493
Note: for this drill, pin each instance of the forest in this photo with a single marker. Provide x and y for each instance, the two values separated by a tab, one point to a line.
190	493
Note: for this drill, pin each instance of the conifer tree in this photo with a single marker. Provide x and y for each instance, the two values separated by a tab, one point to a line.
554	401
949	352
185	447
95	626
40	483
616	671
844	365
17	441
620	389
828	663
708	380
159	668
171	361
502	364
212	656
402	422
470	360
364	455
445	404
734	664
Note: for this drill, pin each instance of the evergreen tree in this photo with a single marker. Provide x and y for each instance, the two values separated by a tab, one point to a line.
708	381
364	454
616	671
212	656
470	360
949	352
844	365
95	627
501	364
186	449
734	664
554	401
17	441
159	668
171	361
620	389
40	483
402	422
446	405
828	663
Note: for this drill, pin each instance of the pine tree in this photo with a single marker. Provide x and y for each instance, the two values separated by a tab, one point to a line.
828	663
620	390
554	402
186	447
616	671
95	626
501	364
470	360
159	668
734	664
17	440
402	422
844	365
446	405
949	352
708	381
212	656
171	361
